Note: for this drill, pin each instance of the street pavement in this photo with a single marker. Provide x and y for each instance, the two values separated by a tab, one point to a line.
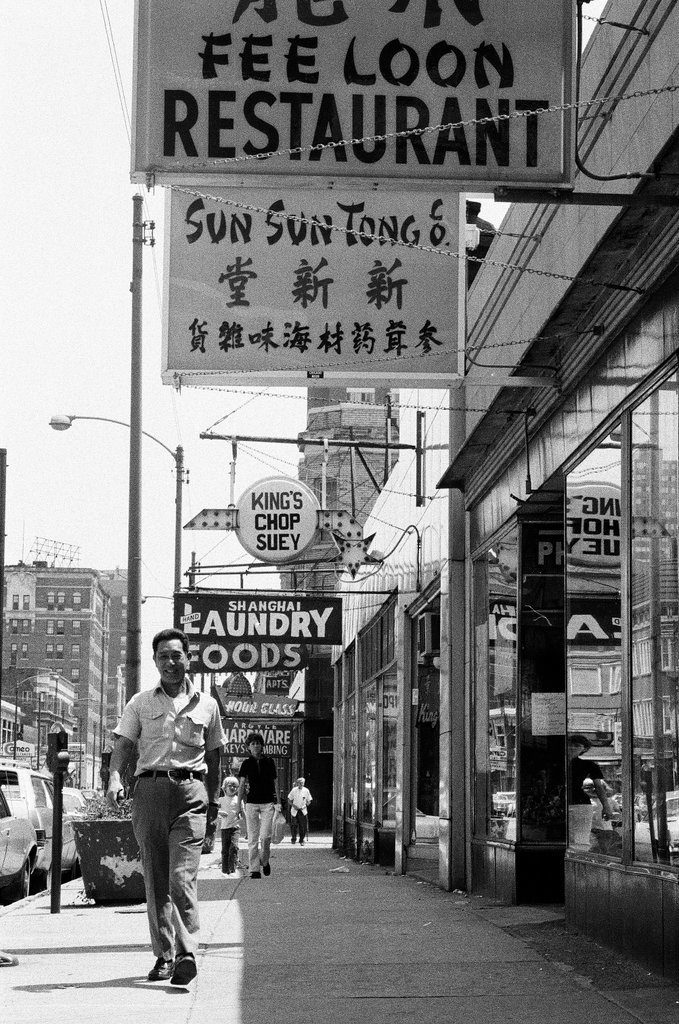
322	939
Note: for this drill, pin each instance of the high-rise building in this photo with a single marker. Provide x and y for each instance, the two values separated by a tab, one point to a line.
55	660
114	583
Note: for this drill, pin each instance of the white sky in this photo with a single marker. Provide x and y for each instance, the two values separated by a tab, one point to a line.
66	311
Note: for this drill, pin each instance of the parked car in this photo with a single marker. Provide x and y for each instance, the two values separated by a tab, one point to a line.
30	795
18	851
642	829
504	803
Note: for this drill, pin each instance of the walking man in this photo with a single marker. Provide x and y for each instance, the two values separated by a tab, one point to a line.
179	736
259	771
299	799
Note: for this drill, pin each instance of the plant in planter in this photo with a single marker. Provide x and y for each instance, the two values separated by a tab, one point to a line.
109	854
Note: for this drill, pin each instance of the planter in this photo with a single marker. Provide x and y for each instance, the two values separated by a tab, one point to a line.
109	860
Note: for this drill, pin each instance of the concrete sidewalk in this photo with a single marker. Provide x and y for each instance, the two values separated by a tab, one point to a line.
321	939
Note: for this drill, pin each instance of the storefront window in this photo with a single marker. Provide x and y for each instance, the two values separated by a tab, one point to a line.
495	591
389	727
542	805
351	733
593	650
368	758
654	621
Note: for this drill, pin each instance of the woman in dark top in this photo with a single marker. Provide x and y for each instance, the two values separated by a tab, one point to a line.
259	771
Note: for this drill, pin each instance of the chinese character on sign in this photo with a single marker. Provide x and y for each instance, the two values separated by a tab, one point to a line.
307	284
334	12
230	336
332	340
237	276
198	336
428	338
363	338
296	336
469	9
382	286
395	331
264	338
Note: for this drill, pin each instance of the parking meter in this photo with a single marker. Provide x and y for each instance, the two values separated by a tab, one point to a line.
57	762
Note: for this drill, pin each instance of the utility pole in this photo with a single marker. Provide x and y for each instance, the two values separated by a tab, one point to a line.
133	660
179	472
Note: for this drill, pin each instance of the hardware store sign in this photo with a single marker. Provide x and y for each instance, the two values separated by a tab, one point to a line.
251	631
288	285
252	86
277	737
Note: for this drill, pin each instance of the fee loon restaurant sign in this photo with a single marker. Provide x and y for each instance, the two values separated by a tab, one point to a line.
226	80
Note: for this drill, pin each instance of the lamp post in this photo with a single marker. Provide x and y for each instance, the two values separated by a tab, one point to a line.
63	422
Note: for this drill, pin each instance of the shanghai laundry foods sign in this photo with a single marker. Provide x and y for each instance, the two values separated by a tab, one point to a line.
241	80
311	286
234	630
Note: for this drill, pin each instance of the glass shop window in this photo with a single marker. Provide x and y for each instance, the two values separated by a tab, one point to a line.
368	752
593	650
654	615
389	760
495	659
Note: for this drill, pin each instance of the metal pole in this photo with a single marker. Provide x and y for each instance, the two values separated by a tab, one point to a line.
332	442
94	756
179	463
39	728
133	660
3	485
16	714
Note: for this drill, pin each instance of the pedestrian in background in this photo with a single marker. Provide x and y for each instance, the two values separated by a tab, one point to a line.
299	799
258	773
179	736
229	824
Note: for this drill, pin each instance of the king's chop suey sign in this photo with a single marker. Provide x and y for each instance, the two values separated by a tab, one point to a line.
231	630
277	519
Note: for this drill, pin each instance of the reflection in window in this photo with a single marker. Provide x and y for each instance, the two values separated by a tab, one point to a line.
654	623
593	650
495	590
389	763
369	751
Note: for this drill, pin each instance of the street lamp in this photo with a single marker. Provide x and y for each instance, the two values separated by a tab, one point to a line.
63	422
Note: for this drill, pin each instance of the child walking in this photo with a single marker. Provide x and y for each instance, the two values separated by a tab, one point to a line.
229	823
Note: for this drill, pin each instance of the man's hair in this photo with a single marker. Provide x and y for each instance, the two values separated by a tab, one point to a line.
300	779
582	741
254	737
170	634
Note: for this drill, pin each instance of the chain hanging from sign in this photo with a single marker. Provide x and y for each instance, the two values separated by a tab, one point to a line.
278	519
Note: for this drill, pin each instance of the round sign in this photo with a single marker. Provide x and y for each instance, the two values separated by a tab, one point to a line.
277	519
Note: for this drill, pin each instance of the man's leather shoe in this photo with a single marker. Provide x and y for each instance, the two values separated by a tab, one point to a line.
266	868
185	970
161	970
256	874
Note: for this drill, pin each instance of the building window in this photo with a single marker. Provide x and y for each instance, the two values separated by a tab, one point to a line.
49	651
13	652
59	653
61	627
61	599
593	649
24	651
654	621
50	599
26	602
15	602
50	627
77	599
15	625
75	650
75	626
495	662
26	626
75	674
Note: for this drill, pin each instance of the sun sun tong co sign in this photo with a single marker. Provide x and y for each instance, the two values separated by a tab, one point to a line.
313	286
263	82
250	631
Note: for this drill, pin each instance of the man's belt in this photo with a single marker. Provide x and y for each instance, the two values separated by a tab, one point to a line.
171	773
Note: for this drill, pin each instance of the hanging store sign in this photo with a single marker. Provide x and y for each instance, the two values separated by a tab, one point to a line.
277	684
250	87
252	631
277	519
312	287
277	737
261	704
